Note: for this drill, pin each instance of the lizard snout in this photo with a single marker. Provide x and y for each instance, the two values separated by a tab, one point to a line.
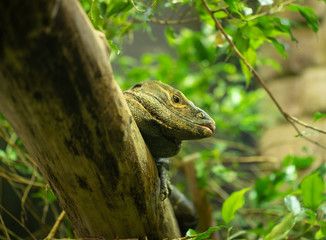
209	124
205	121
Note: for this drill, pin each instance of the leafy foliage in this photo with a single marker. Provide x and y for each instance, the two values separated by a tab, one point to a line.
232	204
308	13
318	116
312	188
205	234
281	230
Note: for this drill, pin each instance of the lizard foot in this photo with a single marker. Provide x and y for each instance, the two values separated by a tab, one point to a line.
166	186
163	171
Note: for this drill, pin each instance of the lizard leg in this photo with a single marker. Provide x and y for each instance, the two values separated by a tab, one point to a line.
163	166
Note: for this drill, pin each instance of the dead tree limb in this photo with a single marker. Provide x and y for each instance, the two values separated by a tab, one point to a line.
57	90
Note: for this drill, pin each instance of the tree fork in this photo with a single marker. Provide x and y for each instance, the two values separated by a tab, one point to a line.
58	91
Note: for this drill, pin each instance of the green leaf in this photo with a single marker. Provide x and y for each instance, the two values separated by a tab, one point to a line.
201	51
284	26
233	6
306	133
208	233
318	116
170	35
292	204
302	162
11	153
98	19
312	217
45	194
312	188
238	23
220	14
191	232
237	234
119	7
270	62
114	46
298	161
255	35
320	234
273	26
251	56
232	204
246	73
3	154
308	13
281	230
280	48
240	41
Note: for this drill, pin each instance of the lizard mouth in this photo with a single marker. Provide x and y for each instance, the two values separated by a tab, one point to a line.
210	128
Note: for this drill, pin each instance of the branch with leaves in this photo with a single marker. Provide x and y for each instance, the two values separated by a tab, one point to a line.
311	19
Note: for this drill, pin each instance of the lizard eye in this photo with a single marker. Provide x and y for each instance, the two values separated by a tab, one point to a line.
201	115
176	99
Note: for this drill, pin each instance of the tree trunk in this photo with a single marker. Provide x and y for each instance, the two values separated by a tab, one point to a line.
57	90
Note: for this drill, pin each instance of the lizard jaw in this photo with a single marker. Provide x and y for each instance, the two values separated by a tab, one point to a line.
209	129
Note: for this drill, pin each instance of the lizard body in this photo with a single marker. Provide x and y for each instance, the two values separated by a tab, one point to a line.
165	117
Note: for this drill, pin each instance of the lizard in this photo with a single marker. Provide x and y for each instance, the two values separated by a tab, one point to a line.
165	117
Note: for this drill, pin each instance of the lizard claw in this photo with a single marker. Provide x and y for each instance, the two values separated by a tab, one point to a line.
166	187
163	194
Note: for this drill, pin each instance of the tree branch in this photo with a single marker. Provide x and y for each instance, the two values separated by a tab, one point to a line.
56	226
292	120
172	22
58	92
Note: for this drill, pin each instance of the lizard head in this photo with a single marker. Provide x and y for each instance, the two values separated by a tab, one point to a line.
175	115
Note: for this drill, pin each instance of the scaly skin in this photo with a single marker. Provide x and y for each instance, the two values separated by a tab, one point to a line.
165	117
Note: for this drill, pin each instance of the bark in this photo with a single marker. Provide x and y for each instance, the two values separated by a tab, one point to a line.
57	90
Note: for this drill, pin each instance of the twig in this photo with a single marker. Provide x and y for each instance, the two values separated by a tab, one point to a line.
4	228
275	9
292	120
140	10
56	226
180	20
173	22
223	10
14	235
27	190
184	13
91	11
186	237
251	159
19	222
306	125
19	180
17	149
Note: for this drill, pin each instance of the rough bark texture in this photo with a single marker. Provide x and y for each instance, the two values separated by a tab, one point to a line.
58	92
